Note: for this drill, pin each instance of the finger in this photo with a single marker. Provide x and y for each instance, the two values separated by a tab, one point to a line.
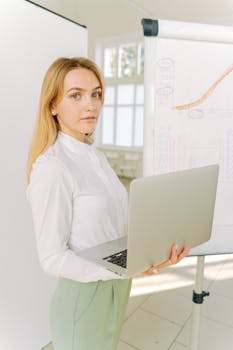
149	271
185	251
174	255
153	270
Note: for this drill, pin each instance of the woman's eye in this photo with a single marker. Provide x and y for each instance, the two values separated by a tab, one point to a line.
75	96
96	95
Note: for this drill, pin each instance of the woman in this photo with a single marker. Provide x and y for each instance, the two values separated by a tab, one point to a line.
77	202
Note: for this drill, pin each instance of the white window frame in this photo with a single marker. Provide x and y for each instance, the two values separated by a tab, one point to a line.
137	79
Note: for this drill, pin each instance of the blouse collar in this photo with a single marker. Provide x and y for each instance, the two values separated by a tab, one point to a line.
73	144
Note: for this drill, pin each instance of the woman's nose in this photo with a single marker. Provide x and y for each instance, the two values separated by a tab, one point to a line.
89	102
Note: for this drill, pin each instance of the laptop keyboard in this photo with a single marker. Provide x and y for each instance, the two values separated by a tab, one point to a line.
119	258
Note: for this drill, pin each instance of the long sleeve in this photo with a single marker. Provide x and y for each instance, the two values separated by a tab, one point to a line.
51	196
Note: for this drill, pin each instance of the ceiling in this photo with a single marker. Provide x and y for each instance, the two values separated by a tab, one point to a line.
188	10
107	18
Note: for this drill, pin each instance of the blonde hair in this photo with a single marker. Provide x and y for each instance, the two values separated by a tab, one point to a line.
47	127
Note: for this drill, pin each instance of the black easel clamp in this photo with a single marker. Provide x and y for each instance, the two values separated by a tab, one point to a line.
150	27
198	298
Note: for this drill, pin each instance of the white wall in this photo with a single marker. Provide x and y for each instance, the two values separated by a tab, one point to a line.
31	38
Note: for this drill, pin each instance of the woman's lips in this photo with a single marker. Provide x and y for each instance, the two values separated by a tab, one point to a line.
89	118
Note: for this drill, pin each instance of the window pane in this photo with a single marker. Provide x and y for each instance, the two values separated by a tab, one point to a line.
140	64
125	94
108	125
138	137
139	94
110	62
109	95
124	126
127	60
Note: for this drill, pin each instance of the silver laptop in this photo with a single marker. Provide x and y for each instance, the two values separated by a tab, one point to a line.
175	207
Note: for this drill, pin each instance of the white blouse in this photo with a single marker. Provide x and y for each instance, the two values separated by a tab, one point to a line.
77	202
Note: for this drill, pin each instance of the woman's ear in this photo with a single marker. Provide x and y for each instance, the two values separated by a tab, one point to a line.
53	109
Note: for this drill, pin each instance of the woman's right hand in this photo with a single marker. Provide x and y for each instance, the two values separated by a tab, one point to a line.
174	258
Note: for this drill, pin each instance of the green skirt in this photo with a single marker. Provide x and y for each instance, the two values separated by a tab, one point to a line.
88	316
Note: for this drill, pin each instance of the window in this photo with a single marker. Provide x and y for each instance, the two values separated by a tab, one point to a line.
121	124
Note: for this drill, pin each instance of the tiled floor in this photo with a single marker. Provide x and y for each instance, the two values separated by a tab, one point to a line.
160	308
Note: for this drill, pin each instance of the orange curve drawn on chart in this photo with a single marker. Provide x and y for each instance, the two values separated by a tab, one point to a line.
207	93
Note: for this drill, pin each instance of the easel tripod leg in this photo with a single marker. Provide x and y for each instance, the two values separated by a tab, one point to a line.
198	297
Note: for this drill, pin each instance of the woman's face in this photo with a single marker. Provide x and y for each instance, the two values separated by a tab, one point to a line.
79	108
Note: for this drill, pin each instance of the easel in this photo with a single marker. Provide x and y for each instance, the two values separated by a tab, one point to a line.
198	298
150	29
176	140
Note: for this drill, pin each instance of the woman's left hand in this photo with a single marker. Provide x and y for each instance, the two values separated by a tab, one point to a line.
174	258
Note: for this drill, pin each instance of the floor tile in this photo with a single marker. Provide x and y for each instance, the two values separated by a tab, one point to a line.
186	291
218	308
177	346
145	285
223	287
213	336
134	303
182	281
124	346
213	266
148	332
170	306
224	283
